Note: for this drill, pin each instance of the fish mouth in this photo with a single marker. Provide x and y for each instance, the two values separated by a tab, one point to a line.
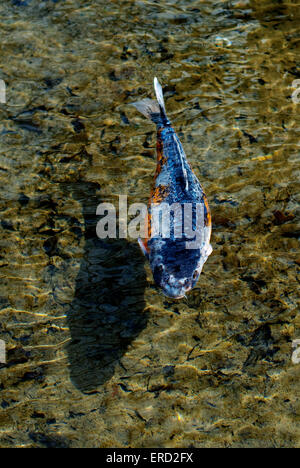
173	293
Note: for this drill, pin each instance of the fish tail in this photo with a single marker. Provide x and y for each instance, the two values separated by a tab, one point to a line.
154	110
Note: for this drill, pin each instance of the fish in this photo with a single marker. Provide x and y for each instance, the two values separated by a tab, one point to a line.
176	253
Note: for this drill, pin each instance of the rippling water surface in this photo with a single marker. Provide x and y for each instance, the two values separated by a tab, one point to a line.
96	356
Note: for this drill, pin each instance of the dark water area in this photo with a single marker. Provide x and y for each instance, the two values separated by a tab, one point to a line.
96	356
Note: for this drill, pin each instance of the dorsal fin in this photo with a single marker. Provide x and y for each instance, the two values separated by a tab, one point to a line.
161	102
182	159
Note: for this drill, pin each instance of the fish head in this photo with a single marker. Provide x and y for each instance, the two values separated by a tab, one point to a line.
175	268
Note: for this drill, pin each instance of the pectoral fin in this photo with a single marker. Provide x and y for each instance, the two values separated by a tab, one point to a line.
209	250
143	248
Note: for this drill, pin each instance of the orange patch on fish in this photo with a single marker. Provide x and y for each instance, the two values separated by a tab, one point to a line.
159	194
208	215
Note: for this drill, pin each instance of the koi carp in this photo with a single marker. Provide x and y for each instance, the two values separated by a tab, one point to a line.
177	201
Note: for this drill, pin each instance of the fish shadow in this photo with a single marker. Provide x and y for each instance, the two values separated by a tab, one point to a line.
108	309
